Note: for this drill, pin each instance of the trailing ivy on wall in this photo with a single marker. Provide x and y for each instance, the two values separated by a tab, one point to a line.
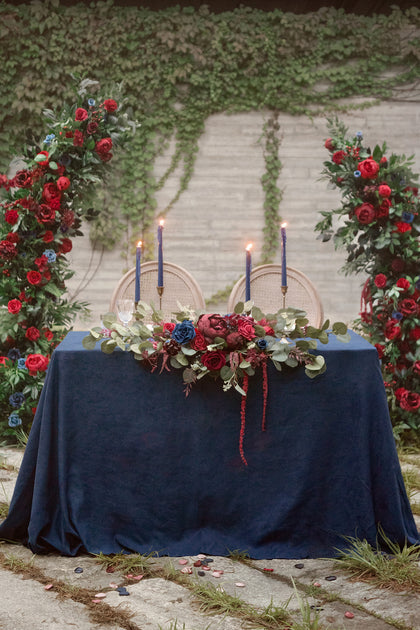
181	65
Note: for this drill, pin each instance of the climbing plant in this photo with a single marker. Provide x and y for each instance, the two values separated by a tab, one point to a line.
179	66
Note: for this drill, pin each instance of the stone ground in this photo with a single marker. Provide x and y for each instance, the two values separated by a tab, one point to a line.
47	593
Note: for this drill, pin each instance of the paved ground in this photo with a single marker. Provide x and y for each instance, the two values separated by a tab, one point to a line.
53	592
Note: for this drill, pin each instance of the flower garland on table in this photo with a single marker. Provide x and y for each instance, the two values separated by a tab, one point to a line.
230	347
42	210
380	230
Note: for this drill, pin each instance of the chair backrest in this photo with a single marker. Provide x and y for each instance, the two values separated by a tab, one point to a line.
179	285
266	292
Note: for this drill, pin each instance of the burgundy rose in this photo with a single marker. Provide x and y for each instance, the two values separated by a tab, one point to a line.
34	277
338	157
380	350
199	342
400	392
42	263
32	333
384	190
383	211
13	237
266	325
213	359
80	114
11	217
66	246
22	179
48	236
46	276
403	283
14	306
380	280
78	138
402	227
410	401
92	128
212	326
234	340
36	363
110	105
63	183
368	168
50	192
365	213
246	329
329	144
48	334
68	218
415	333
408	307
392	330
45	214
7	250
397	265
106	157
103	146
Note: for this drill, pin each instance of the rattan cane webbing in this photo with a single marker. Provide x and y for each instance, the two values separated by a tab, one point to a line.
179	286
266	292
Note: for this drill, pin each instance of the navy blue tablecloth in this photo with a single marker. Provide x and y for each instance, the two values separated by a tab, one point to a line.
119	459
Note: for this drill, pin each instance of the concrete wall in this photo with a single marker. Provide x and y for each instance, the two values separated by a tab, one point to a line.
222	210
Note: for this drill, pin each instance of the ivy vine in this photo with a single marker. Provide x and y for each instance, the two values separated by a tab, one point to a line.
181	65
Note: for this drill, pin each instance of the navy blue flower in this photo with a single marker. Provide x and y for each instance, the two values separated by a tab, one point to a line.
21	364
14	420
184	332
16	399
51	255
407	217
262	344
357	173
397	315
13	354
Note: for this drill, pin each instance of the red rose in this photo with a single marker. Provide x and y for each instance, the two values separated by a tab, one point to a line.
380	350
46	276
384	190
22	179
7	250
214	359
50	192
380	280
383	160
12	237
32	333
63	183
408	307
14	306
365	213
45	214
80	114
41	263
392	330
43	162
34	277
415	333
106	157
212	326
48	334
92	128
198	343
48	236
338	157
36	363
383	211
110	105
329	144
65	246
11	216
69	134
103	146
78	138
402	227
246	329
168	327
55	204
410	401
403	283
368	168
400	392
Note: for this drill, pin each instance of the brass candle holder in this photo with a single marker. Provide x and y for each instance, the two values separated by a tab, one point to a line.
160	293
284	291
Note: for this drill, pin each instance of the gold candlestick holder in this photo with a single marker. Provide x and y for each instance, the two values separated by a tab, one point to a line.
284	291
160	293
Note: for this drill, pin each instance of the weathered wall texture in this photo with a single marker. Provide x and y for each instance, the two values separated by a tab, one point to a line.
222	210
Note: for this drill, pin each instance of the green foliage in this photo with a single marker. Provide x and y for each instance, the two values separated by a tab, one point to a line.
379	229
179	66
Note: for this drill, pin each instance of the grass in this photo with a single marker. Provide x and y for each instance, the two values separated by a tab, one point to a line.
128	563
398	571
310	617
239	556
412	482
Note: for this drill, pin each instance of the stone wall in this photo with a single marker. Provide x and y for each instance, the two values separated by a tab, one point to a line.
207	230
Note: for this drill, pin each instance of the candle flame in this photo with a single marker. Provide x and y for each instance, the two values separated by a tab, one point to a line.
283	225
139	244
248	247
161	222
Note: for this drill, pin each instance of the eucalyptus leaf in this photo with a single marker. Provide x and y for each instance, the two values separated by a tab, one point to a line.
89	342
239	308
344	338
257	313
175	364
188	351
108	346
239	389
339	328
182	359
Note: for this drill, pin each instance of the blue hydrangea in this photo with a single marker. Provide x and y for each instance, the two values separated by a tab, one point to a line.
16	399
397	315
49	138
359	134
21	364
262	344
14	420
357	173
51	255
407	217
13	354
184	332
91	102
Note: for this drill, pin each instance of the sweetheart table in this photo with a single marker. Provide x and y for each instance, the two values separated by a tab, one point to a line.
119	458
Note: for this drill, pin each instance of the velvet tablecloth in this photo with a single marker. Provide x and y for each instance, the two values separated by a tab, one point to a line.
119	459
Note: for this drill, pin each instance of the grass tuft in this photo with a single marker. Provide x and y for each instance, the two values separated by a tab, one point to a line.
128	563
239	556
